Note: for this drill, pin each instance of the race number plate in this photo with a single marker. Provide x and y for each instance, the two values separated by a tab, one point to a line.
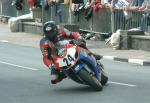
69	58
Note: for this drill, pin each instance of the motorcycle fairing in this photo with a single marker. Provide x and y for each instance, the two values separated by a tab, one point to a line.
87	59
71	60
68	60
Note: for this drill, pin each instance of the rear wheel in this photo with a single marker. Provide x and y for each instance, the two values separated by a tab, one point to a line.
90	79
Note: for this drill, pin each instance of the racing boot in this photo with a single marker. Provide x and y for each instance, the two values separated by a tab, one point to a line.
56	76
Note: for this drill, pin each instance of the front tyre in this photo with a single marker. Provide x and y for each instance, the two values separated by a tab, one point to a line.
104	79
90	80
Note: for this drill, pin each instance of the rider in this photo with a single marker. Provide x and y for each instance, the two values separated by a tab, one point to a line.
53	38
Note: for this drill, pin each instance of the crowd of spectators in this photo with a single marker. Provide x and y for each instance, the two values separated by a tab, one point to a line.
131	7
123	8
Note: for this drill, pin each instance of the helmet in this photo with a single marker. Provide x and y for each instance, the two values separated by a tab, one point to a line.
50	30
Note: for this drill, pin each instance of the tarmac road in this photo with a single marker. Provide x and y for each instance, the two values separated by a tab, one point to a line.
24	79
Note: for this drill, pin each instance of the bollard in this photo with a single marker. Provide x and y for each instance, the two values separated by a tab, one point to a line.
149	30
125	40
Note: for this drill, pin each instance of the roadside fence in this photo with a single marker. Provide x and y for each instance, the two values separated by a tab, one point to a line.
128	20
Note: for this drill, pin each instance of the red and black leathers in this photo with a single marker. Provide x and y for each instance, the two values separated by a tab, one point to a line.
48	47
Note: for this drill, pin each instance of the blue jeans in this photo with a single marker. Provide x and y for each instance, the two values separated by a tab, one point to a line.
143	22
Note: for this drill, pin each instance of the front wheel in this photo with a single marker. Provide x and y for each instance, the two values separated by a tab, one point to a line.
104	79
90	80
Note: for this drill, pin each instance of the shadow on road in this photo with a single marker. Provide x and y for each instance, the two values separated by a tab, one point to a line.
76	89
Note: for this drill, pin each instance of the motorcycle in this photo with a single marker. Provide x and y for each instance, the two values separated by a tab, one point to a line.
79	65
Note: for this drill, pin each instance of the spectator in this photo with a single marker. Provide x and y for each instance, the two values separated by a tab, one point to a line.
89	9
97	5
134	15
89	4
18	4
106	3
52	2
31	3
135	5
75	6
101	4
146	16
118	4
67	2
132	7
34	3
118	17
146	5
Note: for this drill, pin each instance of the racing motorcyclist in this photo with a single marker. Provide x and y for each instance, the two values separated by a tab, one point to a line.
54	37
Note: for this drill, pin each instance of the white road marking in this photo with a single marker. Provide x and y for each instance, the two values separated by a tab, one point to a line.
124	84
4	41
15	65
109	57
136	61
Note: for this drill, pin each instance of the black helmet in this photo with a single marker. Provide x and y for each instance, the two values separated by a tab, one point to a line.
50	30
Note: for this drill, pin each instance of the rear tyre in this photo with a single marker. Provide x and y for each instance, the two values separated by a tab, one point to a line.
90	80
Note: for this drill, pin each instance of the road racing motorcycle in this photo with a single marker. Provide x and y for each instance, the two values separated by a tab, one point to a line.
79	65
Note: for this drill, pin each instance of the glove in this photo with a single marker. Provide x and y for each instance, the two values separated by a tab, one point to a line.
80	41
